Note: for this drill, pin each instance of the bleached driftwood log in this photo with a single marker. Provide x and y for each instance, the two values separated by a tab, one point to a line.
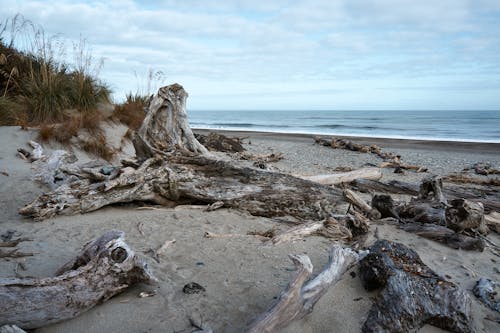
330	228
104	268
300	297
346	177
182	171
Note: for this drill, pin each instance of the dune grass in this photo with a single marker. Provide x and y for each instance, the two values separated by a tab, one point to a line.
39	88
36	85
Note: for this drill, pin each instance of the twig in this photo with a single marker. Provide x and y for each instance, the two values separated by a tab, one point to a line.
15	254
14	242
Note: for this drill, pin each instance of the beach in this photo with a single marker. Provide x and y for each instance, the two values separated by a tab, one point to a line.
242	275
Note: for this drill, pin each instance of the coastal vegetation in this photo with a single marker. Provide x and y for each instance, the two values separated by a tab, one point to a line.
41	88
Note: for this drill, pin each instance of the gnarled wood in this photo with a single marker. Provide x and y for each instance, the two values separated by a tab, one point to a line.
105	267
182	171
165	128
466	215
413	295
299	298
488	196
195	179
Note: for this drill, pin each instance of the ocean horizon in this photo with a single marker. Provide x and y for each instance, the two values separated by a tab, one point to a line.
460	126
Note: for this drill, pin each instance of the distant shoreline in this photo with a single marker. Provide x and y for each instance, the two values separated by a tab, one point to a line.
424	144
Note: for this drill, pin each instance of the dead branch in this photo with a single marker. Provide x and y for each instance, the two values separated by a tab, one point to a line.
359	203
299	298
15	253
445	236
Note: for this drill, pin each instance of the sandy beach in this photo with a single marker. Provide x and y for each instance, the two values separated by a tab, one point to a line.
242	275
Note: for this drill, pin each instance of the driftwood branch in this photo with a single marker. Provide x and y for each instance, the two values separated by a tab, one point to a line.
300	297
359	203
105	267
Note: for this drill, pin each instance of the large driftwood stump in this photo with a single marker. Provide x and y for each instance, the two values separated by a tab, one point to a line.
173	167
413	295
165	128
104	268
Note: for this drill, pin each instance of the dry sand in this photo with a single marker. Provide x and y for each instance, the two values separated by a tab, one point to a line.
241	275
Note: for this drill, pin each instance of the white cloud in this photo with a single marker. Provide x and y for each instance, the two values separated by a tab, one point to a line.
245	47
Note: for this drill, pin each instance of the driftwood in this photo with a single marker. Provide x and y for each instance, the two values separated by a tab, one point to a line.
431	216
445	236
330	228
359	203
492	220
11	329
176	169
483	168
346	177
218	142
165	128
105	267
464	179
465	215
32	156
488	196
413	295
300	297
488	292
392	160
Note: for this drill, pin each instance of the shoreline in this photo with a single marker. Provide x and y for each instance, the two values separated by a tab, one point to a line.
418	144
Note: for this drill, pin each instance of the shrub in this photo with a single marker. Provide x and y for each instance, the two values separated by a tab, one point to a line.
132	112
38	85
97	146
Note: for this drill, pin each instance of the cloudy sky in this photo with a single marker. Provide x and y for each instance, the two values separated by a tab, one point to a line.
284	54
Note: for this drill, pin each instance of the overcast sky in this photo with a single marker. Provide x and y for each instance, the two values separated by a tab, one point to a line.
277	54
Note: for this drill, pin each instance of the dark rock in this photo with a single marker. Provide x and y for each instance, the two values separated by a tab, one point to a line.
192	288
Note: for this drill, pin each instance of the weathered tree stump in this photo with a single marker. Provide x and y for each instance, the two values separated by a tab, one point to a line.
413	295
104	268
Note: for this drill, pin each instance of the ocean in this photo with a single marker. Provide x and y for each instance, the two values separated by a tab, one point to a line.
475	126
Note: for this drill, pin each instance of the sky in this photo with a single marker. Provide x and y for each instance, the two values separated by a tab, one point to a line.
290	55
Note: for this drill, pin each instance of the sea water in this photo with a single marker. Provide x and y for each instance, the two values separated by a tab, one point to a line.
475	126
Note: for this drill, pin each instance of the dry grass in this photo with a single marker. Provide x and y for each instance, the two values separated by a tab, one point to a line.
97	146
37	86
131	113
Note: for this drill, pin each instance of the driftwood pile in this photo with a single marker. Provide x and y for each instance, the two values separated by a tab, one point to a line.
391	160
